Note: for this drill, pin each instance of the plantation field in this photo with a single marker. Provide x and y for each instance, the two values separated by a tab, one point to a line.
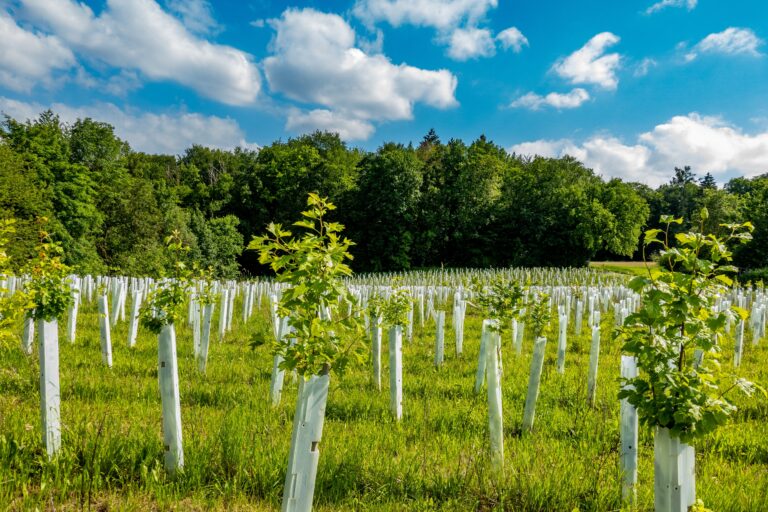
236	444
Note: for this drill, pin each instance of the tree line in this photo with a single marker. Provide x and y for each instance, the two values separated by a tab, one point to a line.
405	206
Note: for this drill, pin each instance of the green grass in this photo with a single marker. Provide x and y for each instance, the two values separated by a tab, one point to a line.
436	458
632	268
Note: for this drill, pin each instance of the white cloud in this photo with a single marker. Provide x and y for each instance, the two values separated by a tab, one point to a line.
325	120
444	15
168	133
645	66
512	38
456	22
28	58
196	15
533	101
374	45
707	144
662	4
315	61
123	83
470	43
139	35
731	41
589	65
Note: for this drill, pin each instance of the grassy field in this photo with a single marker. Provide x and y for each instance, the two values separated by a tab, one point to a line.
633	268
236	444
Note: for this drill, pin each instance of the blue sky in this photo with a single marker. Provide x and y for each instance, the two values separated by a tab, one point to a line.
630	87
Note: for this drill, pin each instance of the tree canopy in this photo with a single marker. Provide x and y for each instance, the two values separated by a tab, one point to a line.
438	203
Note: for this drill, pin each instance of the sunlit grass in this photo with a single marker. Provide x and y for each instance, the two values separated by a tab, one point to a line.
236	444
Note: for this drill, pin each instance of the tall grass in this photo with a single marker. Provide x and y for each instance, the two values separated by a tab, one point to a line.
436	458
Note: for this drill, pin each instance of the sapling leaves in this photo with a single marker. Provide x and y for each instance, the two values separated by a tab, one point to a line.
539	315
164	306
48	289
501	300
11	307
316	300
394	309
676	388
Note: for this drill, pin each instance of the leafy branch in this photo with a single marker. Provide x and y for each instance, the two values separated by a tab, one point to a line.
676	389
11	307
499	299
48	289
164	306
313	265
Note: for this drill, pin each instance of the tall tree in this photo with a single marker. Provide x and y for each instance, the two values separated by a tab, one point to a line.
387	203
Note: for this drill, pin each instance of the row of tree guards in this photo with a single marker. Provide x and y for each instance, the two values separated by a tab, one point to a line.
426	303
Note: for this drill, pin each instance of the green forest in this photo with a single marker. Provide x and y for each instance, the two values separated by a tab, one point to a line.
428	204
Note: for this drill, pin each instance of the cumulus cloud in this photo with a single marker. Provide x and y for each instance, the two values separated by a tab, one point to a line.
149	132
315	61
28	58
470	43
663	4
440	14
326	120
731	41
533	101
457	23
140	35
590	65
512	38
196	15
644	66
706	143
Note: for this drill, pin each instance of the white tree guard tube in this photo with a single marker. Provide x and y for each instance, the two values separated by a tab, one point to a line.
278	374
534	382
458	327
195	328
28	336
409	326
223	313
190	307
50	397
439	338
519	335
482	359
495	421
421	310
562	343
674	473
169	395
117	291
122	296
246	307
594	356
579	315
304	454
72	314
275	317
231	308
739	348
133	321
629	433
396	371
513	332
376	351
105	334
205	337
